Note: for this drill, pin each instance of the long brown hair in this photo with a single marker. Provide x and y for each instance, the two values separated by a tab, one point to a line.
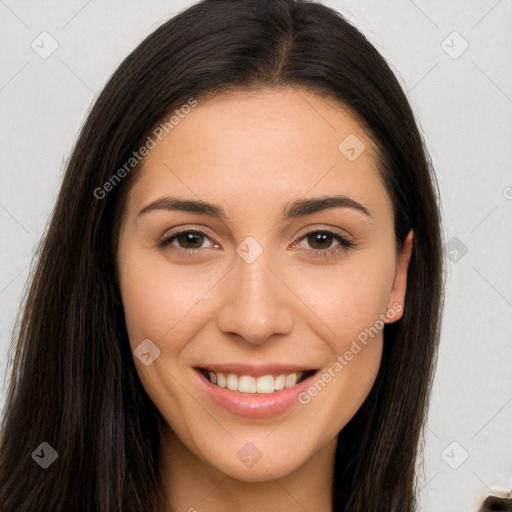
74	384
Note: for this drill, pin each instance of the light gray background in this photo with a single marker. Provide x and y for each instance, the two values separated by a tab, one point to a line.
464	106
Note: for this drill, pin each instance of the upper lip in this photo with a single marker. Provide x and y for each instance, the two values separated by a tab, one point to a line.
255	370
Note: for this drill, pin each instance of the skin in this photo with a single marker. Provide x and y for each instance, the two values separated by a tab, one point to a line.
253	154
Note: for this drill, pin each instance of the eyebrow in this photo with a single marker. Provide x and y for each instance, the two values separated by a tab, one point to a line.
295	209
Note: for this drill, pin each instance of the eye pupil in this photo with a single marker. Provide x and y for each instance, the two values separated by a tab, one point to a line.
320	238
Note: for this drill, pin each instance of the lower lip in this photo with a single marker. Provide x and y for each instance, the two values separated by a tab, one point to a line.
257	405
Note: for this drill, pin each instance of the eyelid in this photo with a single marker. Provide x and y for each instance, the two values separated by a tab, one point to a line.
170	234
344	244
325	228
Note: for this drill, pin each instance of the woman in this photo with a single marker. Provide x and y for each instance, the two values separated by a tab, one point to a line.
237	304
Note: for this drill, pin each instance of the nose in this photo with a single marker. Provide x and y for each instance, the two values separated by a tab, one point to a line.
256	303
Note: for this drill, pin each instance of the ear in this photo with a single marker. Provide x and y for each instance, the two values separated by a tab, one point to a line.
397	295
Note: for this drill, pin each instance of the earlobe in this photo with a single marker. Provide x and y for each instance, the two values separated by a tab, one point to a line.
397	296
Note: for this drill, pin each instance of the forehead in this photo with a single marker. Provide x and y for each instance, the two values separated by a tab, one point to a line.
263	146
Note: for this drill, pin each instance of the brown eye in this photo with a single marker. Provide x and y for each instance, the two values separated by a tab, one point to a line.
320	240
325	243
190	240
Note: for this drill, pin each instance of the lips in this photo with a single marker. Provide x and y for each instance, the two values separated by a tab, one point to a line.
255	391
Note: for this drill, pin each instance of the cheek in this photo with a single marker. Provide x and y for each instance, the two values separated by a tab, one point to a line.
351	301
168	305
340	389
163	301
347	299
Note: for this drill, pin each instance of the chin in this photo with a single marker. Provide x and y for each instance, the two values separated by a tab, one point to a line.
258	460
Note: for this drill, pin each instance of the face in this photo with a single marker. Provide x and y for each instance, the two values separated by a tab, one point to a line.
257	268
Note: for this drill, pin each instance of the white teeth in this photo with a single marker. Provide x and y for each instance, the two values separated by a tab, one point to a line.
265	384
221	380
290	380
232	382
247	384
279	383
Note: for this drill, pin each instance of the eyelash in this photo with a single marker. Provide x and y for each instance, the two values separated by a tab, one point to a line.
327	253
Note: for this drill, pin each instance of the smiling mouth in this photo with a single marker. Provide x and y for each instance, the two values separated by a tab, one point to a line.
265	384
